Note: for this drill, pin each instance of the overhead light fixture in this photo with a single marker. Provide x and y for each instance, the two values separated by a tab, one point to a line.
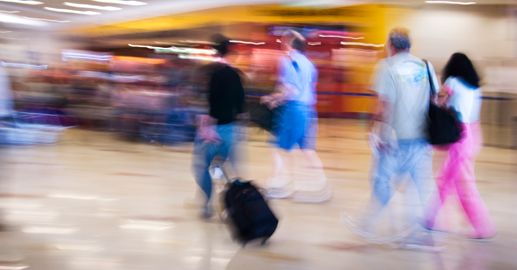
46	20
166	43
49	230
9	11
123	2
13	38
176	50
82	55
338	36
63	10
25	2
196	42
198	57
451	2
248	42
14	267
13	19
24	66
362	44
5	32
314	43
77	5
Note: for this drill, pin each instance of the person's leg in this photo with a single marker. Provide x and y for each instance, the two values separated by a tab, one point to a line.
280	158
471	201
466	187
279	185
286	129
419	164
446	185
313	167
231	136
384	170
204	153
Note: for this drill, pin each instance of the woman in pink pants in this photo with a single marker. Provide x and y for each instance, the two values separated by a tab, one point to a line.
461	91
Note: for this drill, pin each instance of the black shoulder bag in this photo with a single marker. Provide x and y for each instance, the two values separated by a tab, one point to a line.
443	126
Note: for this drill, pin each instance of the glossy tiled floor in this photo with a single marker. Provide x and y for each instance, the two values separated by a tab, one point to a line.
94	202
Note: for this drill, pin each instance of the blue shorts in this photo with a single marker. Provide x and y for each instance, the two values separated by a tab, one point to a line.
295	125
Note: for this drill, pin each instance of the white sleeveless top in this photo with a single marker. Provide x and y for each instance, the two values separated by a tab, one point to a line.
465	99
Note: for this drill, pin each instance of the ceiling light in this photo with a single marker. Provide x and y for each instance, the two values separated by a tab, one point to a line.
81	55
247	42
9	11
8	18
196	42
46	20
24	66
338	36
197	57
166	43
177	50
451	2
25	2
13	267
122	2
49	230
108	8
5	32
362	44
63	10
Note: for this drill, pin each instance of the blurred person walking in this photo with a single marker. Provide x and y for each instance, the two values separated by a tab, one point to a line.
217	132
398	138
6	118
461	91
6	97
296	125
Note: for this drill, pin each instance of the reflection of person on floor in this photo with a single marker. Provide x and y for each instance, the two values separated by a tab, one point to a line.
296	124
399	144
217	134
461	91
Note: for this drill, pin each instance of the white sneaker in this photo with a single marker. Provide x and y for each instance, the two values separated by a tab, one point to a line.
314	196
216	172
311	186
421	243
279	193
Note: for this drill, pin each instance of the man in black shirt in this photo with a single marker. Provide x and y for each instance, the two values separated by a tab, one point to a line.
217	135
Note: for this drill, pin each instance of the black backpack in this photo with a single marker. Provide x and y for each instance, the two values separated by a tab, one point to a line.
248	212
443	126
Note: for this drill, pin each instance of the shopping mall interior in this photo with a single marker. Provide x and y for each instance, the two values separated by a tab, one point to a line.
103	101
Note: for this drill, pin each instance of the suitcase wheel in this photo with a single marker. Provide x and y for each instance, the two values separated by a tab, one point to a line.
264	241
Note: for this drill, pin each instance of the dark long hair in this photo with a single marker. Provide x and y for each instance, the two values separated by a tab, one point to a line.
460	66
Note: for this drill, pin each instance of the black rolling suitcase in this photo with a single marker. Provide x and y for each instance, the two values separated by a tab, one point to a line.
249	216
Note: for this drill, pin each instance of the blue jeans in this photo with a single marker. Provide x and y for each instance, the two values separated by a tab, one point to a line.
205	153
412	158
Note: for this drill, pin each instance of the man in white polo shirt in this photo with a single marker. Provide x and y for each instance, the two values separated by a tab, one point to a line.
400	146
